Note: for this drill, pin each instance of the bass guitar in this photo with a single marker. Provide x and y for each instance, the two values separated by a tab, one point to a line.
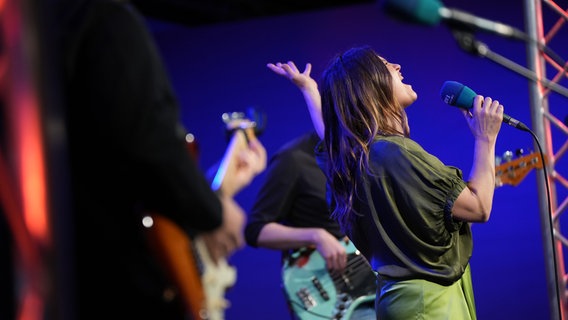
314	293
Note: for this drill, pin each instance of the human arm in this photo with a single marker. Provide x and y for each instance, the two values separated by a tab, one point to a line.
290	210
129	121
280	237
475	202
227	238
242	162
123	114
309	88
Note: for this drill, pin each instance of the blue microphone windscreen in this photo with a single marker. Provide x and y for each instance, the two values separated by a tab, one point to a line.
419	11
456	94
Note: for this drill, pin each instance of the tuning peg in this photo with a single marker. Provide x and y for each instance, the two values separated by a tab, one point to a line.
227	117
498	160
259	118
507	155
519	152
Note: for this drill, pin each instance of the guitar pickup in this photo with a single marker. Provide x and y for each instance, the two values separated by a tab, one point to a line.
320	288
307	300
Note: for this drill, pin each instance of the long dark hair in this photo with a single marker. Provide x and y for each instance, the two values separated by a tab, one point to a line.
357	105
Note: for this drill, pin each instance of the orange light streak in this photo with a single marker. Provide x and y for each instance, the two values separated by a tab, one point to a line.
32	167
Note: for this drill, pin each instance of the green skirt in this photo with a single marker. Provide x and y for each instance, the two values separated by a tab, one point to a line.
422	299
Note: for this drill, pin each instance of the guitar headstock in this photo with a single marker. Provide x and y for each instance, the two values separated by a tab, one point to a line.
252	122
513	170
241	131
238	121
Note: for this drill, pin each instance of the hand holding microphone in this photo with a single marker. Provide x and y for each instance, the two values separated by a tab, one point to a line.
458	95
484	118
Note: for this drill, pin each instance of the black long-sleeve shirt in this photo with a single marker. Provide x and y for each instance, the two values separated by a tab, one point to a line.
293	191
128	157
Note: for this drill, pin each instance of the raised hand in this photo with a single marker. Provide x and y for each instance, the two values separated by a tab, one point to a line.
302	80
307	85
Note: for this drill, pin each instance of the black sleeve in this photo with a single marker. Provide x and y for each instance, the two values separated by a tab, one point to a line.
124	90
274	199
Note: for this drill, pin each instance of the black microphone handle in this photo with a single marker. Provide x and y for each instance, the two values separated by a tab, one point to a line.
514	122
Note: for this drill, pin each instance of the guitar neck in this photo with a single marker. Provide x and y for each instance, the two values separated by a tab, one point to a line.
230	162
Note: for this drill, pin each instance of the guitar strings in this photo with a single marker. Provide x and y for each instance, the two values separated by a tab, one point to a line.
355	264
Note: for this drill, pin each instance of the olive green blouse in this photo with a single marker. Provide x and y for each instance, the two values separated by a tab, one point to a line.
404	226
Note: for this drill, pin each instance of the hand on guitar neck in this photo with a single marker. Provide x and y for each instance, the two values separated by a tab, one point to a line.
244	159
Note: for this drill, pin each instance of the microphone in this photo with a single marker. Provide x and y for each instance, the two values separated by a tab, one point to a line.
457	95
431	12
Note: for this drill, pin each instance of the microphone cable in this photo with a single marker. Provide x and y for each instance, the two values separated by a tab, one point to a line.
551	223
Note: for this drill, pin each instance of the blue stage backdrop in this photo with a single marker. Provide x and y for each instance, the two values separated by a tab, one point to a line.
222	67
